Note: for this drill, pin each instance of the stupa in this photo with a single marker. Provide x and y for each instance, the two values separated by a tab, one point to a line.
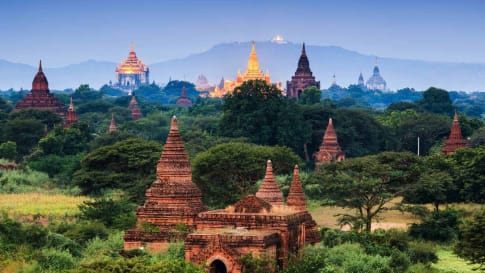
268	190
296	197
329	149
71	115
133	106
183	100
455	141
112	125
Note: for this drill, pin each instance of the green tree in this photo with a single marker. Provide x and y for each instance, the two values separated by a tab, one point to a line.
227	172
311	95
66	141
48	118
478	137
469	173
26	134
470	246
437	101
128	165
259	112
110	212
8	150
366	184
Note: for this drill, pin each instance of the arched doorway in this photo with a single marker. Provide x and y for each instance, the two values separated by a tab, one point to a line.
217	266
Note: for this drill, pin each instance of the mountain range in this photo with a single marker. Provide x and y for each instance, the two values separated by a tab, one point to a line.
224	60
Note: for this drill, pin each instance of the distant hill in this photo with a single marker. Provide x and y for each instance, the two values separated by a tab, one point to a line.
224	60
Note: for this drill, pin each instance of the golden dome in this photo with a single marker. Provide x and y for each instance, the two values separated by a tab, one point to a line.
131	65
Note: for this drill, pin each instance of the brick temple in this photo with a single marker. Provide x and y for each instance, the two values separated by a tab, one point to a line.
260	224
183	100
329	150
71	115
133	107
303	77
40	97
455	141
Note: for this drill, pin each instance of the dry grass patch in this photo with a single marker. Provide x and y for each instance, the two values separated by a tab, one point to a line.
29	204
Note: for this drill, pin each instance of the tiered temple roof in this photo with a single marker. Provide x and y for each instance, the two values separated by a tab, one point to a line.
40	97
183	100
172	200
296	197
303	77
329	149
376	81
135	110
268	190
71	115
455	141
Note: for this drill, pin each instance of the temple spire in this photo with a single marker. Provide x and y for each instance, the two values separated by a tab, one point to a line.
71	105
112	125
70	116
296	197
40	66
132	47
253	62
329	149
455	140
268	190
303	50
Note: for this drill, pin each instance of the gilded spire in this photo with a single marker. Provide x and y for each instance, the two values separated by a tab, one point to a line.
268	190
253	63
296	196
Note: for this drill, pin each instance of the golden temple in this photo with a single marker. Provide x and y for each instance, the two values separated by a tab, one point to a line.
131	73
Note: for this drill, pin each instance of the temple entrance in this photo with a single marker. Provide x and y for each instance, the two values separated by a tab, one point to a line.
217	266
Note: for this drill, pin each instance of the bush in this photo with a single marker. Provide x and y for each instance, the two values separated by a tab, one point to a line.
422	252
83	232
440	226
112	213
54	260
8	150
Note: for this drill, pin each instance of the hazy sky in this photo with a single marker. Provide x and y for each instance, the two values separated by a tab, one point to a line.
62	32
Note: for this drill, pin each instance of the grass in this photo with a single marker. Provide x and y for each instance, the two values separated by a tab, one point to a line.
30	204
449	261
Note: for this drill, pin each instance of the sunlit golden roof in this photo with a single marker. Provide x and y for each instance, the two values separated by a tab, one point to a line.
131	65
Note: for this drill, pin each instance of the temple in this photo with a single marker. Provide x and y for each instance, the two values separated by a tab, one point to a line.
183	100
70	116
131	73
252	72
258	224
329	150
40	97
112	125
202	84
376	82
133	106
360	81
455	141
303	77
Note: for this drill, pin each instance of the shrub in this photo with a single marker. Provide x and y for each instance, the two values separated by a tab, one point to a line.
112	213
422	252
54	260
82	232
440	226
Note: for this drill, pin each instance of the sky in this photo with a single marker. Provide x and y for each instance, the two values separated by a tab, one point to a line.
62	32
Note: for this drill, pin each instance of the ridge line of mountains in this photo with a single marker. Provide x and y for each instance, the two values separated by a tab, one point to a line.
223	60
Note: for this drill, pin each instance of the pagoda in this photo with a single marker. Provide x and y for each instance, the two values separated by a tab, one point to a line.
268	190
303	77
40	97
455	141
296	197
133	106
70	116
329	150
376	81
112	125
360	81
131	73
183	100
172	200
253	72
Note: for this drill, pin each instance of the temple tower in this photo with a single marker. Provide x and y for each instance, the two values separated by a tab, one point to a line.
268	190
376	81
71	115
360	81
133	106
296	197
329	149
183	100
112	125
131	73
455	141
172	200
40	97
303	77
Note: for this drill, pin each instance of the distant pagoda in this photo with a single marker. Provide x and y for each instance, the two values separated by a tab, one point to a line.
455	141
112	125
131	73
183	100
135	110
329	150
71	115
376	81
303	77
40	97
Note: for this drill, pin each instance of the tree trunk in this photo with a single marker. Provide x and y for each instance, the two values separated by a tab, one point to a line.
305	149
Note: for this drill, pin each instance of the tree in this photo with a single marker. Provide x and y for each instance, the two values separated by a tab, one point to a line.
227	172
259	112
128	165
469	173
8	150
366	184
25	133
48	118
66	141
470	247
478	137
311	95
437	101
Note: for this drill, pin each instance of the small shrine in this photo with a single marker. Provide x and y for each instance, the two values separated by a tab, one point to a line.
329	150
